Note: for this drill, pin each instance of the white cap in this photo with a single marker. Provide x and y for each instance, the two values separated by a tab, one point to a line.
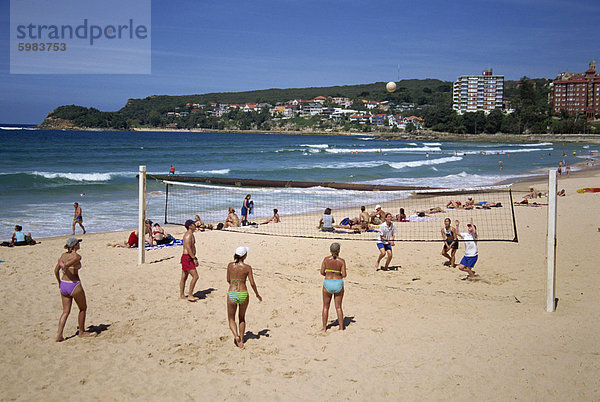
469	197
241	251
377	206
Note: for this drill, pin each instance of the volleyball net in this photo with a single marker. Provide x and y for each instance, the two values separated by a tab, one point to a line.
301	205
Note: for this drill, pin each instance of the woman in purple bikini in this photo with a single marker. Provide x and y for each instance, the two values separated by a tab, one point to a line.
70	287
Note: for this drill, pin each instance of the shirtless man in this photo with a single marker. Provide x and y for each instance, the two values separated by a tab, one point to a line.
78	218
470	203
364	218
377	216
189	262
531	194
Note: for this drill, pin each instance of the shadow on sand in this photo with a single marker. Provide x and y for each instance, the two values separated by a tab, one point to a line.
201	294
252	335
347	321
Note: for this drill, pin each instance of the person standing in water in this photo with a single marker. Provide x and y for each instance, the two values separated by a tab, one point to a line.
237	295
78	217
333	268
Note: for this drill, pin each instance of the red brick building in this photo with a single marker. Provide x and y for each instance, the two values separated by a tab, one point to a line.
577	92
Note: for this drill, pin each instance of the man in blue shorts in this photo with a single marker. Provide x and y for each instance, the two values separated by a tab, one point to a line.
468	261
385	240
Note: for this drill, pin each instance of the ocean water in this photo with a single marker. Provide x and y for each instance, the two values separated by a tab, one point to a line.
44	171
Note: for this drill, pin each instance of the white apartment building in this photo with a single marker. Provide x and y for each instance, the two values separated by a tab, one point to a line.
472	93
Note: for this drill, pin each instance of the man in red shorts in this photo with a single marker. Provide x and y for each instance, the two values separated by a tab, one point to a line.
189	262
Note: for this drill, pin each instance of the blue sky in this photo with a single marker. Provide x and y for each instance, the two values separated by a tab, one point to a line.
220	46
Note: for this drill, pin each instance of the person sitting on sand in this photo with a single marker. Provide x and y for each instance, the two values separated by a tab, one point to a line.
470	258
450	243
377	216
189	262
333	268
237	294
19	238
364	218
401	217
159	235
201	225
232	219
70	287
470	203
531	194
561	193
275	218
326	222
148	238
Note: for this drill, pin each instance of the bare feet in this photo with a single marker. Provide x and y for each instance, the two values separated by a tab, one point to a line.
192	299
84	334
239	342
324	329
183	297
60	338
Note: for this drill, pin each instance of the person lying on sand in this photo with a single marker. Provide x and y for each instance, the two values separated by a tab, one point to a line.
131	242
432	210
351	224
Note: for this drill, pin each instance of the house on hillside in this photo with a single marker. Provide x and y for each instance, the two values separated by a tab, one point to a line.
377	120
416	121
312	109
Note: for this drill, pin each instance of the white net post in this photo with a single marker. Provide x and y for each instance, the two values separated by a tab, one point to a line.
142	216
551	251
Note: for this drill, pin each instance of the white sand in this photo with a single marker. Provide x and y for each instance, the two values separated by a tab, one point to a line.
417	333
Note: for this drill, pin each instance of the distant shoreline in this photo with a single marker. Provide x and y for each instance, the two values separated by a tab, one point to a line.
419	136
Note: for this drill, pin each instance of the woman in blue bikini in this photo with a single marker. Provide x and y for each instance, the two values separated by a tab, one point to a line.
237	272
333	269
70	287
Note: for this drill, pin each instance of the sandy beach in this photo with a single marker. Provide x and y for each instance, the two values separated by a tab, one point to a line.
414	333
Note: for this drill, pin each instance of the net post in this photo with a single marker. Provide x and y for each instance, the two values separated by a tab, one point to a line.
166	200
142	215
551	251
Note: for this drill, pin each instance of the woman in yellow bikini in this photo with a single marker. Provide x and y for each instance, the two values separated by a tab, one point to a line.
333	269
237	272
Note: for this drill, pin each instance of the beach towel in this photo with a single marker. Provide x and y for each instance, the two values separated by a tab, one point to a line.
414	218
175	242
